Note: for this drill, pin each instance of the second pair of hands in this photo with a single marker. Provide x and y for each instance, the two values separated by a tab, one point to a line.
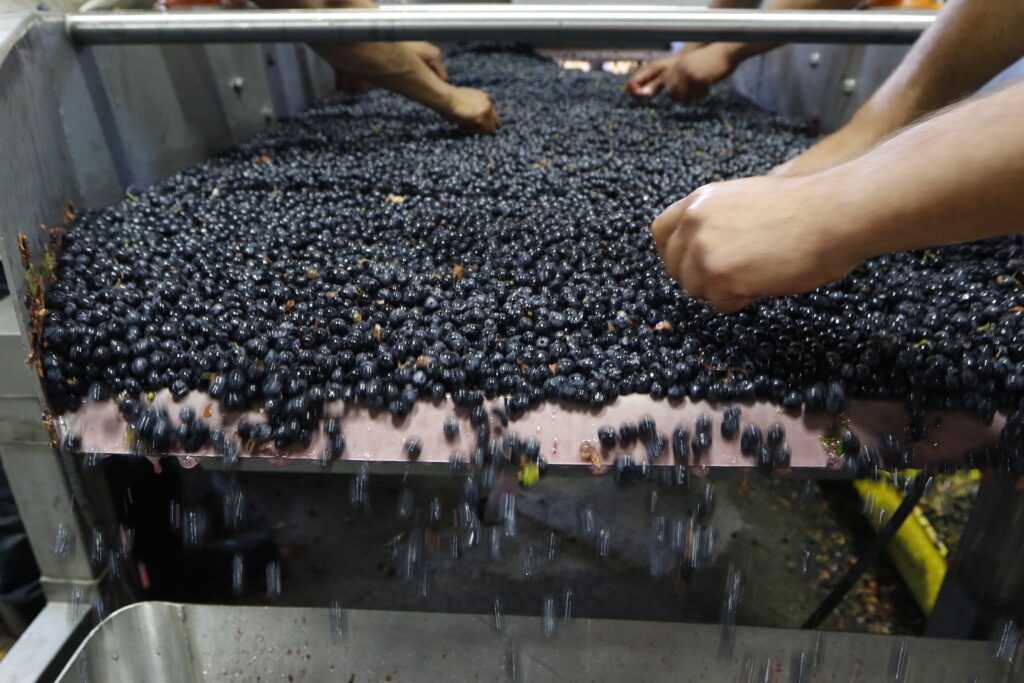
469	108
731	243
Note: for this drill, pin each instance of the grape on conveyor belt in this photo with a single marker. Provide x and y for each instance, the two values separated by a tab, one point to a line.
365	252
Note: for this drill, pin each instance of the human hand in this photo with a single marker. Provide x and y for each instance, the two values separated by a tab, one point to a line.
686	77
734	242
431	56
472	110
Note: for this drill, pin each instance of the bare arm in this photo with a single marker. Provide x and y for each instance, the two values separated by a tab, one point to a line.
404	68
737	53
970	43
967	166
951	178
688	75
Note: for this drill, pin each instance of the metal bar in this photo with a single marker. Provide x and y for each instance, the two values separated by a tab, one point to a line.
560	24
871	555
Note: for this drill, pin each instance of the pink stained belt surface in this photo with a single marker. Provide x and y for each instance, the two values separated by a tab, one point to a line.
375	436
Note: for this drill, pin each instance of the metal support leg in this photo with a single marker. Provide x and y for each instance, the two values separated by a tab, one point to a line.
985	581
50	640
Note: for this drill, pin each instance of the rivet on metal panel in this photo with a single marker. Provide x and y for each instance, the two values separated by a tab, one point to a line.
268	113
814	60
849	85
237	83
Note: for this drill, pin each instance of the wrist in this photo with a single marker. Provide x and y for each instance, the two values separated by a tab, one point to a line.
862	208
730	56
850	233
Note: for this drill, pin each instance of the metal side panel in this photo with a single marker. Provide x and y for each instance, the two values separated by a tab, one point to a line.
822	83
157	642
44	648
159	108
47	508
36	176
240	80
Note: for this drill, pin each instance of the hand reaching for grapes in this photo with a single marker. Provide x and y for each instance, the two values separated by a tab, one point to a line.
735	242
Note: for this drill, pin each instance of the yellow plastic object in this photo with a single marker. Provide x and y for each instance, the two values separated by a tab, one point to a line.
529	474
917	552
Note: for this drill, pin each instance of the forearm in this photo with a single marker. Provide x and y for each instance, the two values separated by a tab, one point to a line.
393	66
969	44
955	177
387	65
737	53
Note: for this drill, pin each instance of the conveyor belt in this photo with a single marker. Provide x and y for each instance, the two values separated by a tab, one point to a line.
377	438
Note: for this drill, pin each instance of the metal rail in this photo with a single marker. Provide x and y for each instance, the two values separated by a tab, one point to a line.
607	26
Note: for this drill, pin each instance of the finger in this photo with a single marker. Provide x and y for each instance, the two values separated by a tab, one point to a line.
645	73
674	254
661	230
647	82
436	64
648	90
665	224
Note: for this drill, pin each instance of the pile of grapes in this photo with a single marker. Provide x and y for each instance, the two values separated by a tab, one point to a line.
369	252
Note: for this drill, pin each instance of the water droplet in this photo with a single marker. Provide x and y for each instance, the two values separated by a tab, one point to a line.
424	584
63	543
549	622
678	535
273	576
587	525
360	491
434	515
406	503
509	514
195	526
604	542
730	605
97	548
527	561
499	616
494	544
552	547
1007	640
76	607
237	574
513	670
234	505
337	621
115	656
568	604
806	563
899	662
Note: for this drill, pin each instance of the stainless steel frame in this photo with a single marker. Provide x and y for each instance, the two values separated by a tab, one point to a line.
157	642
572	24
81	124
